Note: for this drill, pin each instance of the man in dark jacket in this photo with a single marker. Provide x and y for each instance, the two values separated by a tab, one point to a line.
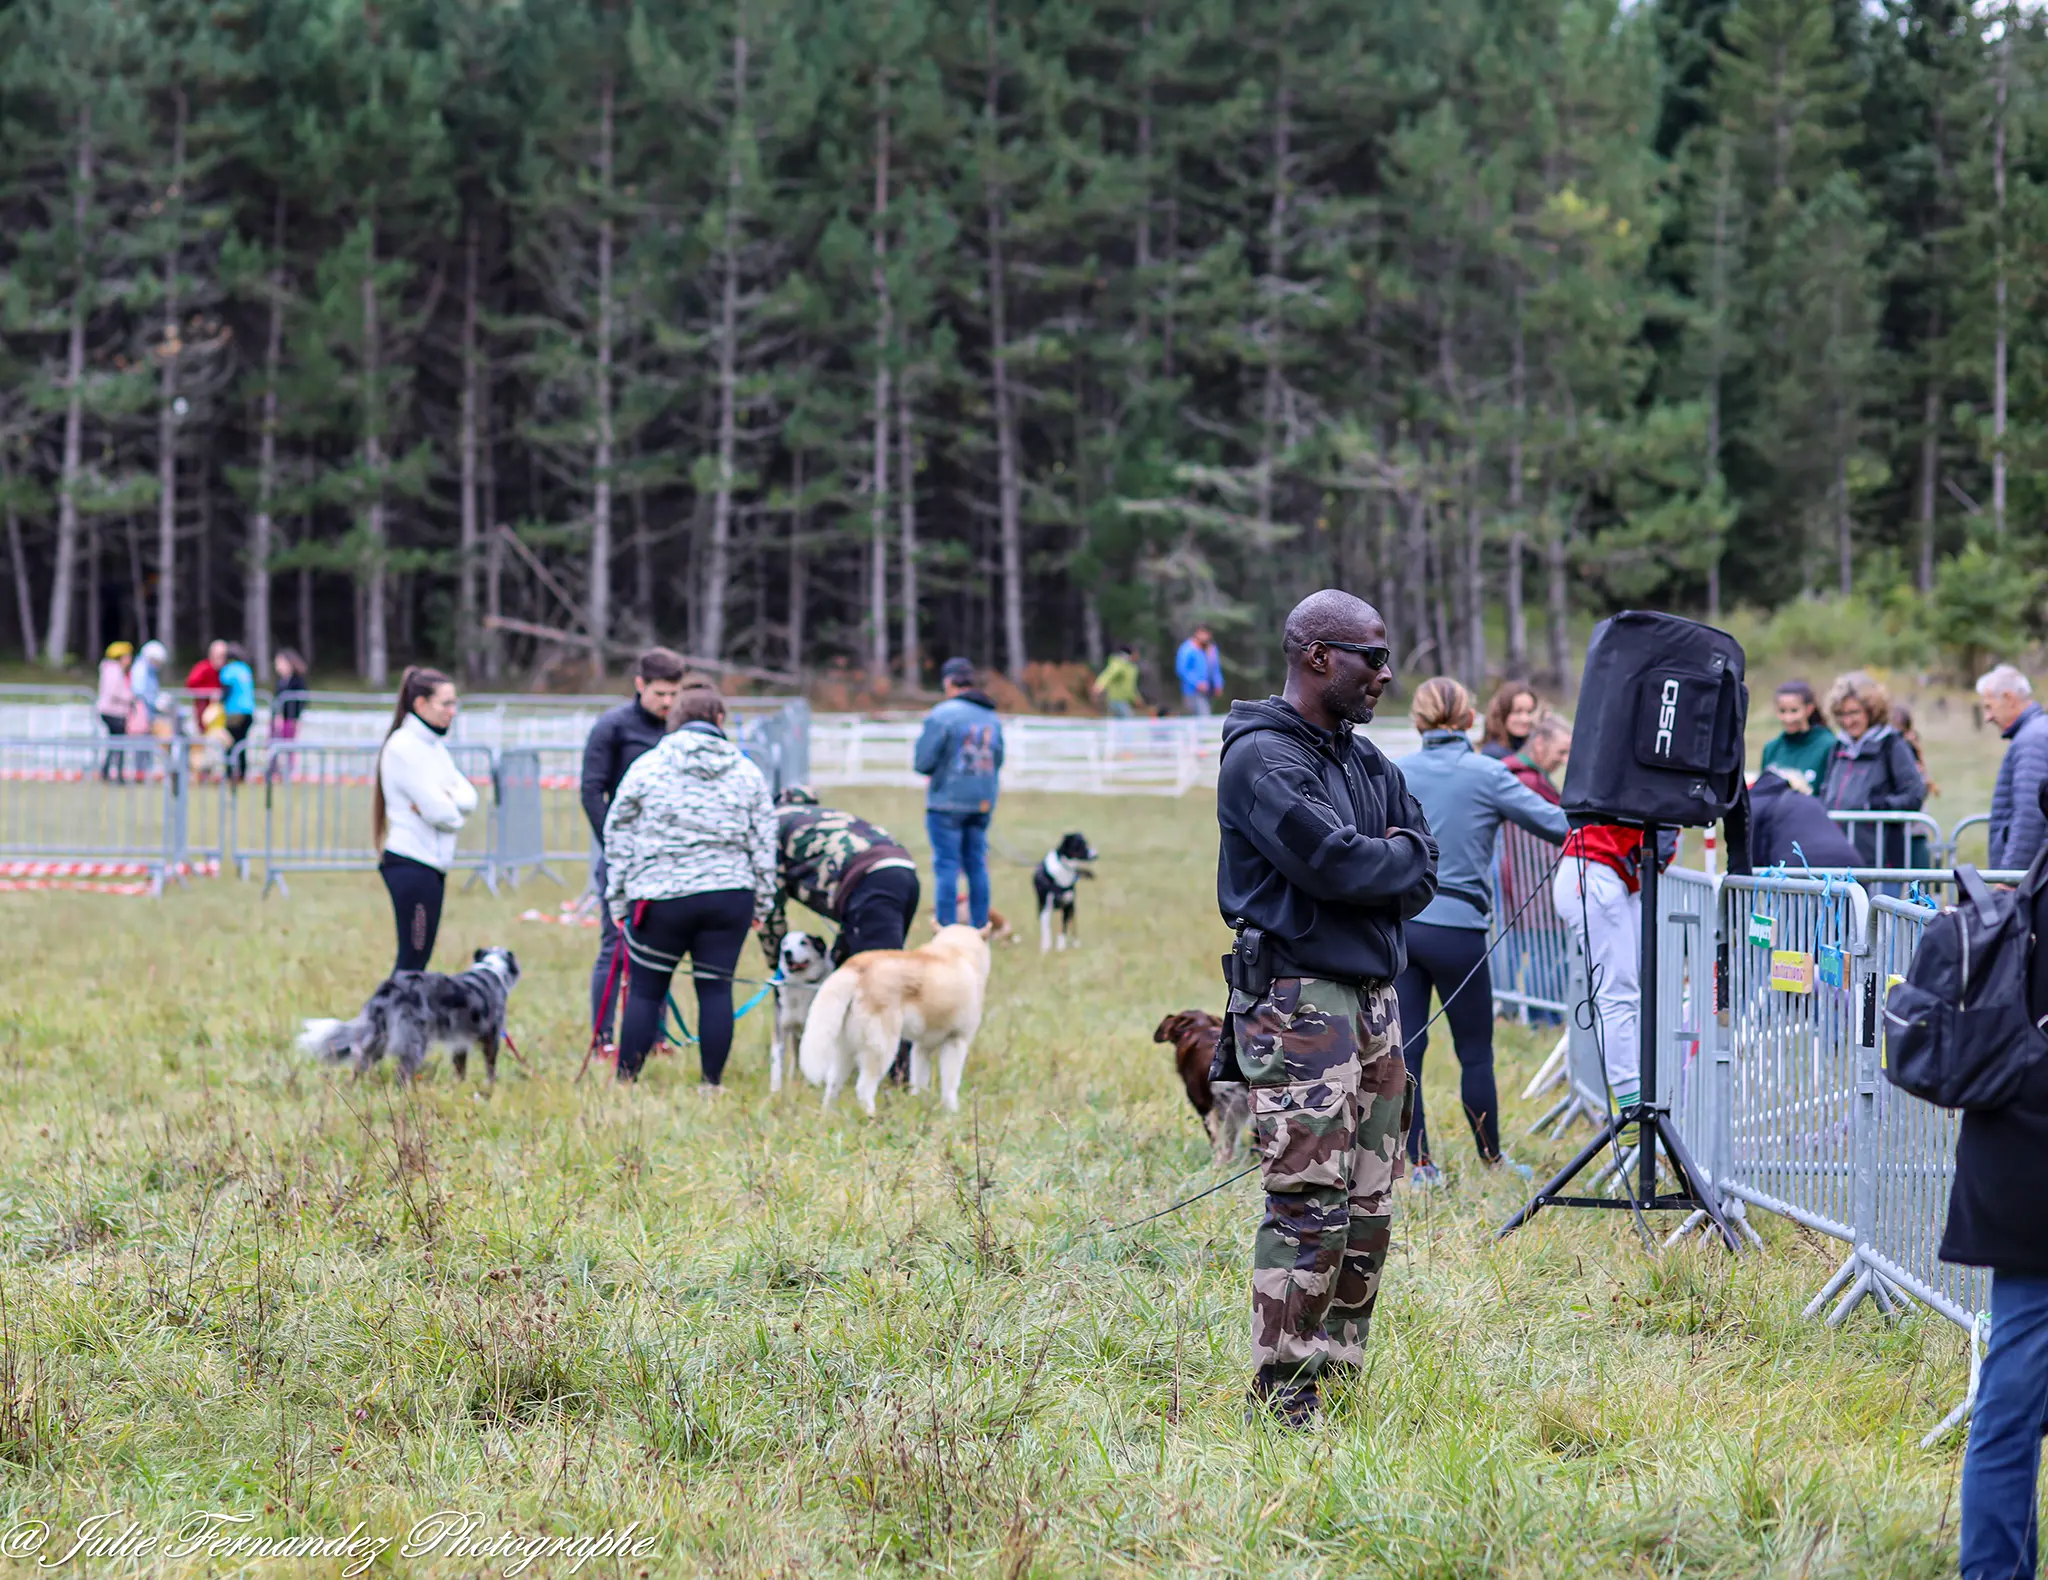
617	741
1324	856
1789	827
1995	1221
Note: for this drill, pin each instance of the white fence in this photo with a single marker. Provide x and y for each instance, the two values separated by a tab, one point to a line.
1076	756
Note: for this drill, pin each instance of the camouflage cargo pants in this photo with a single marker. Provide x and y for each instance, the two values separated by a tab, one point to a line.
1330	1110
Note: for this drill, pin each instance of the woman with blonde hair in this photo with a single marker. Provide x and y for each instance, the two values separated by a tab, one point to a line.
1466	795
116	700
417	809
1874	769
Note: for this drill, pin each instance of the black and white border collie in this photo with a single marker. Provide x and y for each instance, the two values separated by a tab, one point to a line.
1054	880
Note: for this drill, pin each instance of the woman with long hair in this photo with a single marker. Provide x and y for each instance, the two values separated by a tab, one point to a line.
419	805
1804	745
1466	796
288	701
690	866
1509	718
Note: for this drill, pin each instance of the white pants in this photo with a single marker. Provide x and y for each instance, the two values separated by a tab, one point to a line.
1607	920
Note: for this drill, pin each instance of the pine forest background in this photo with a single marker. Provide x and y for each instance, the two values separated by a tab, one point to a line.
806	334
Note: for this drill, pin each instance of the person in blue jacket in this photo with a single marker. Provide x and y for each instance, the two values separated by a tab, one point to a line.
1200	668
238	704
1466	795
961	752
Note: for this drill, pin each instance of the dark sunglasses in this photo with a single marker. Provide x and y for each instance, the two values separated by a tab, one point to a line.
1375	657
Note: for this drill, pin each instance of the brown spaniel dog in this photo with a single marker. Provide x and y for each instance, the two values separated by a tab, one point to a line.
1225	1109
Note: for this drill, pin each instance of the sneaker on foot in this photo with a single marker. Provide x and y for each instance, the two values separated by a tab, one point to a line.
1425	1174
1521	1170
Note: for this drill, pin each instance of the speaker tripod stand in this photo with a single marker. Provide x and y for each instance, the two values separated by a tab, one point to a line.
1650	1119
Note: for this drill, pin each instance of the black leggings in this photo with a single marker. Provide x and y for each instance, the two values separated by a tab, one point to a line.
237	725
710	928
1442	958
416	891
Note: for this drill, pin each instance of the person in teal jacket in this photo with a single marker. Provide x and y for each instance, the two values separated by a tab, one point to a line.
238	703
1805	745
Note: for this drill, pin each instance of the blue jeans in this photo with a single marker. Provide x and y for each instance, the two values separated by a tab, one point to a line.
2002	1465
959	842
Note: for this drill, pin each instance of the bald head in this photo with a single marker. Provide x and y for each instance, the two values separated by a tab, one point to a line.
1337	658
1330	616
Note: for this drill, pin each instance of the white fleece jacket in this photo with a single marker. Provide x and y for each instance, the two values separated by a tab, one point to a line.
427	798
691	816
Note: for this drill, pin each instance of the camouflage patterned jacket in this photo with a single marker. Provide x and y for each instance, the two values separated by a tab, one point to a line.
822	853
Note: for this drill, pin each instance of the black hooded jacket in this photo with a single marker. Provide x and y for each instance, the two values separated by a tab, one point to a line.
621	736
1305	851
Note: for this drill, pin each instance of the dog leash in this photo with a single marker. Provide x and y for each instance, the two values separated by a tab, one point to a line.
1163	1212
674	1010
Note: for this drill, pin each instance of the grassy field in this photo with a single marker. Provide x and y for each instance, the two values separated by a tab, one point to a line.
793	1344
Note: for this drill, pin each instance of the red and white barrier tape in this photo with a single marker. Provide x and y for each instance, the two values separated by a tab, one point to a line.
104	869
39	885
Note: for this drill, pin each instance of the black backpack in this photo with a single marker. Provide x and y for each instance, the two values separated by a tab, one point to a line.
1959	1031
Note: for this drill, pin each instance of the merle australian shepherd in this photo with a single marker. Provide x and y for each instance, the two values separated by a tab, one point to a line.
414	1012
1054	881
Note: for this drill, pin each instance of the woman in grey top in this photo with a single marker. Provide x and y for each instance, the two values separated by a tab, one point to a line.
1466	796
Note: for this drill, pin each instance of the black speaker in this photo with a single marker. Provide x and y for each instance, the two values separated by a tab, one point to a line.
1658	736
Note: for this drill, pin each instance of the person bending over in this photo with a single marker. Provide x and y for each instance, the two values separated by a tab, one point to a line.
848	870
689	850
1323	856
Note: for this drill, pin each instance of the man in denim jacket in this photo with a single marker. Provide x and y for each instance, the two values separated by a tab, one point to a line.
961	753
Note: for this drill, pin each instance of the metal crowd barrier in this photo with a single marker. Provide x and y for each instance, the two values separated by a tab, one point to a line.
1793	1065
104	808
1898	850
317	813
1953	851
1770	1042
1817	1133
1531	945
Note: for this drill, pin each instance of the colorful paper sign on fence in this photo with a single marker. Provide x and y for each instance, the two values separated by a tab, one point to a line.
1832	965
1791	971
1763	930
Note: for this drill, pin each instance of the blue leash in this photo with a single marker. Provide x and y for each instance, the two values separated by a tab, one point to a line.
682	1027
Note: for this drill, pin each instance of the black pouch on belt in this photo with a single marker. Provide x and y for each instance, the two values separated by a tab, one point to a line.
1248	973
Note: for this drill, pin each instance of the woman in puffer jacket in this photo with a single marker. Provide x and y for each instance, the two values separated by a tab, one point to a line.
417	809
689	850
